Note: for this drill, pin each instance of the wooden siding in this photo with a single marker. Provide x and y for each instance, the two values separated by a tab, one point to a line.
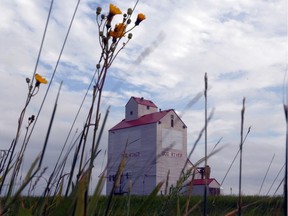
173	154
150	151
131	111
139	154
134	110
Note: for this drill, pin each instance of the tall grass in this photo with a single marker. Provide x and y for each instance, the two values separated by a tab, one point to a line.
79	178
70	194
240	163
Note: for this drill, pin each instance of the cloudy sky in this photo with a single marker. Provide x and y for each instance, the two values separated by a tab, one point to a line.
241	45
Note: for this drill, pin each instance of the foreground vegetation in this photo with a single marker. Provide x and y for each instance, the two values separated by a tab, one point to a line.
125	205
66	192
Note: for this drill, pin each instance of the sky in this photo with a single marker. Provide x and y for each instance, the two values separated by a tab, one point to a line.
241	45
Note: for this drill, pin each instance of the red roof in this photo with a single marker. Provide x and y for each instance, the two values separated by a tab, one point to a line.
144	102
202	181
143	120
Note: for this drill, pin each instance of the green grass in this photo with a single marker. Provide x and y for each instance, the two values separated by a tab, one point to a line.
220	205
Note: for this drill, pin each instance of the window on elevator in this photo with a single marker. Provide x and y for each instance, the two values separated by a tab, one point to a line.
172	120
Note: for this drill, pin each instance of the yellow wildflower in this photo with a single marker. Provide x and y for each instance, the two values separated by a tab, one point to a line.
140	18
119	31
113	10
40	79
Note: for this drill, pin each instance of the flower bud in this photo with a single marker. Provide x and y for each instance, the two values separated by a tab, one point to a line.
128	21
101	33
98	66
103	16
130	36
27	80
108	25
98	10
129	11
31	119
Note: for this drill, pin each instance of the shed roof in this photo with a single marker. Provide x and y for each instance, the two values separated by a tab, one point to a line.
144	102
143	120
202	181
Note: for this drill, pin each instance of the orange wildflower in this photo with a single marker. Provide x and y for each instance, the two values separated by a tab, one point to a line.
39	79
140	18
113	10
119	31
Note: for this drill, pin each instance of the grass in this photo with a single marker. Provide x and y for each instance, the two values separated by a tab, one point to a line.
220	205
70	195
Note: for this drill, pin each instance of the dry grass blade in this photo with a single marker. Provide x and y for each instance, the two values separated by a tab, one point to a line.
82	195
120	170
92	206
228	170
190	190
178	207
167	182
193	208
198	139
285	206
8	166
235	211
240	163
129	198
49	127
210	155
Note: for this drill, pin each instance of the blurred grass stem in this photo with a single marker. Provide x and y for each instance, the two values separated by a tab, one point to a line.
206	162
240	165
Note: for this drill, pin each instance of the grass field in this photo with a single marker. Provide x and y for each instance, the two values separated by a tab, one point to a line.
161	205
